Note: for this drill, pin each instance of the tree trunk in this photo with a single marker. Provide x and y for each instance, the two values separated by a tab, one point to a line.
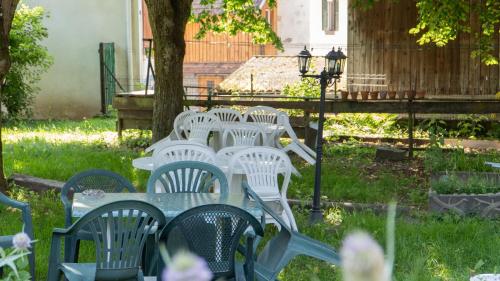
168	20
7	10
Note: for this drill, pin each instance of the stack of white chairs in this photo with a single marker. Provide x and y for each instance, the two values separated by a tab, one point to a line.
227	114
197	127
183	152
147	162
268	118
262	167
243	134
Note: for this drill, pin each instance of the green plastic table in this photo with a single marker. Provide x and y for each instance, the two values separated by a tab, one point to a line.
171	204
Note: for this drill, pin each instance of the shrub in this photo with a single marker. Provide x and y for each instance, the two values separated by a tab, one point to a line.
29	60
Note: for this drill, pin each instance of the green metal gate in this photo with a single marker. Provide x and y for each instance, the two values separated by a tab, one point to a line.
108	76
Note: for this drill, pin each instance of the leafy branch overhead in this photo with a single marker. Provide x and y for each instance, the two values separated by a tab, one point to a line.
233	16
441	21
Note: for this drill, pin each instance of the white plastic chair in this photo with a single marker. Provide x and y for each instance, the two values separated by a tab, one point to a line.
243	134
197	127
296	145
176	133
227	114
183	152
262	166
266	117
262	114
179	122
169	142
146	163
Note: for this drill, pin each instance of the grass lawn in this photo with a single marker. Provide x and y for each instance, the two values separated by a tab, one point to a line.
427	247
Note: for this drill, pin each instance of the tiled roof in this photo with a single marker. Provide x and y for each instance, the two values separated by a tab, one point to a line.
270	74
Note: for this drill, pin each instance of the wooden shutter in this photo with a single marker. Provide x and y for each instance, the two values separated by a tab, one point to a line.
324	14
335	15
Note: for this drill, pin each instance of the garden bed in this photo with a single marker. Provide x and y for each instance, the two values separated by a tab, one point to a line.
466	193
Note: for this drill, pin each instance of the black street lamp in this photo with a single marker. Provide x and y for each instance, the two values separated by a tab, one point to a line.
334	67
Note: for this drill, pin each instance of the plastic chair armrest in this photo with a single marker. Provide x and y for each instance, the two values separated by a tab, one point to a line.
11	202
68	214
59	232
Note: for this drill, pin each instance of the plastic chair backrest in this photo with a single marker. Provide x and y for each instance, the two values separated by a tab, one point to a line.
262	166
197	127
27	228
179	122
227	153
243	134
262	114
188	177
227	114
120	230
104	180
183	152
212	232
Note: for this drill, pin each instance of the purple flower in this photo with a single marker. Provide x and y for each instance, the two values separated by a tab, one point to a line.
187	267
21	241
362	259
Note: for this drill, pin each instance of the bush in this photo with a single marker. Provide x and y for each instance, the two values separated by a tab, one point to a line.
29	60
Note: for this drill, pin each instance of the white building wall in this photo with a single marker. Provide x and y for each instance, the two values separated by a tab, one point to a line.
300	23
320	42
71	87
293	25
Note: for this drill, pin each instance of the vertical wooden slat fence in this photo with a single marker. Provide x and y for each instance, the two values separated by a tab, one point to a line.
379	43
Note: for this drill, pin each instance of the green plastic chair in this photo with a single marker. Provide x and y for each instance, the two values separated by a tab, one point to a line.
286	245
119	231
6	241
106	181
213	232
187	177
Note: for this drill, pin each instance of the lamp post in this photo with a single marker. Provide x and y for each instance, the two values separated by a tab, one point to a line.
334	67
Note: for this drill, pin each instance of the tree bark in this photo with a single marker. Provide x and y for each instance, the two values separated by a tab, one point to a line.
168	20
7	11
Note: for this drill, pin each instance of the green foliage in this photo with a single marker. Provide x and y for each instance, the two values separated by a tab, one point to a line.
441	21
16	263
136	139
471	126
237	16
305	88
476	184
29	60
436	129
438	160
362	124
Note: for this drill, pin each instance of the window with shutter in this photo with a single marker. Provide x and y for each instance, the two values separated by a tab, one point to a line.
330	16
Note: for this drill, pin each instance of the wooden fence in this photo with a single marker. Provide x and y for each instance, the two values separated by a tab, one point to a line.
379	43
136	111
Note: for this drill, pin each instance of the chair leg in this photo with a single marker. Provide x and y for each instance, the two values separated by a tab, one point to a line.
76	250
289	214
149	255
31	259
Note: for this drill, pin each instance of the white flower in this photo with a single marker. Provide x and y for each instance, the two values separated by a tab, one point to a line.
362	259
21	241
187	267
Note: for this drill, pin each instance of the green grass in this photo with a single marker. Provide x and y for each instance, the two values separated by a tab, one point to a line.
349	173
428	247
59	149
